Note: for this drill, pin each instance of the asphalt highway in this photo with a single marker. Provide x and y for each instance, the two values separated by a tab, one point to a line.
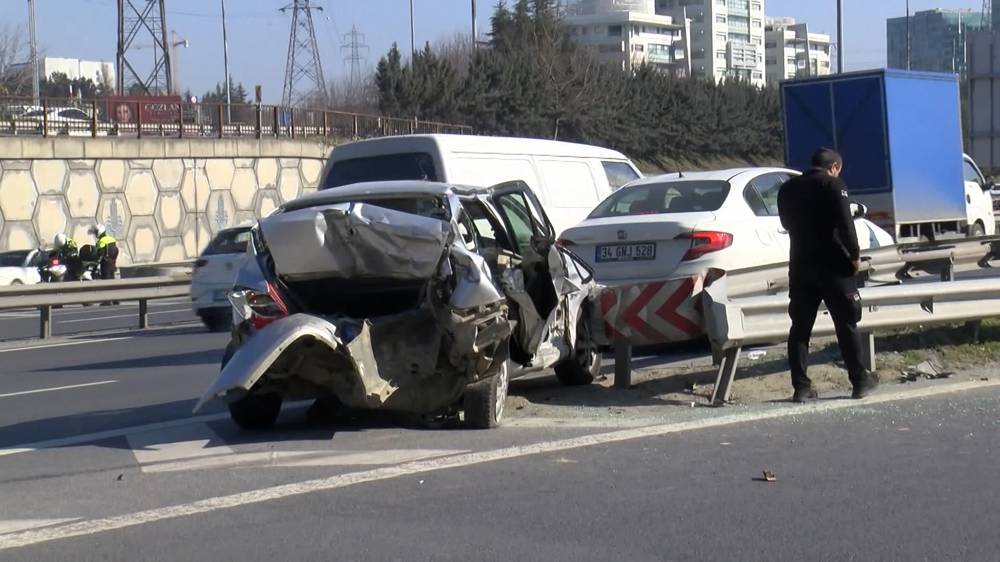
101	459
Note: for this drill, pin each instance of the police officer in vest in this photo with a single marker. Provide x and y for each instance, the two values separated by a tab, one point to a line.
825	258
107	251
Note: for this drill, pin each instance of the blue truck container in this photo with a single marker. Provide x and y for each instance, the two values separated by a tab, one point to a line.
900	134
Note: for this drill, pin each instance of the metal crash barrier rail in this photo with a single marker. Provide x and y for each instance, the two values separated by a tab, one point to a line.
733	324
45	296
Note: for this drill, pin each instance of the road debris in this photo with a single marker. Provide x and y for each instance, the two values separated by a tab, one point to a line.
756	355
929	369
769	476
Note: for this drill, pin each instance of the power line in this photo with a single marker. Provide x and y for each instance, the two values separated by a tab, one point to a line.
303	68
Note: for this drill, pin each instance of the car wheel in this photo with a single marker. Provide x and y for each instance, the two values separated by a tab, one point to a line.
977	230
255	411
484	400
585	365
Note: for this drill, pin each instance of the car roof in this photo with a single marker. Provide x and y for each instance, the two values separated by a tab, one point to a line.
712	175
399	187
472	143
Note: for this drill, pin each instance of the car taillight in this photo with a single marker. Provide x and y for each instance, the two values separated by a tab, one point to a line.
260	309
705	242
565	243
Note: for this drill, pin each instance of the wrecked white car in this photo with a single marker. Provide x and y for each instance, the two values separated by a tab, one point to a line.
409	296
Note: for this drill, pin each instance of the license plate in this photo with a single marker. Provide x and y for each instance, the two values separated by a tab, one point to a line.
627	252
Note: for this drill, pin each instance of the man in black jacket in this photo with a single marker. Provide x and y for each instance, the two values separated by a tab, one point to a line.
824	261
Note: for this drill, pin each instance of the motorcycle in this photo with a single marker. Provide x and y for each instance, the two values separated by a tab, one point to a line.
53	270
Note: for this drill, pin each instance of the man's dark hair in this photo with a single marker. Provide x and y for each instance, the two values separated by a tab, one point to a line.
825	158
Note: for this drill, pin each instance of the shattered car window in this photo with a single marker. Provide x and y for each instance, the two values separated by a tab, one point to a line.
409	166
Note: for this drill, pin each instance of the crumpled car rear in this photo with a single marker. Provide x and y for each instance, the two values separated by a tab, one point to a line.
389	309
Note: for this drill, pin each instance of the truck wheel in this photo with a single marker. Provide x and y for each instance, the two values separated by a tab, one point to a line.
484	400
585	364
977	230
255	411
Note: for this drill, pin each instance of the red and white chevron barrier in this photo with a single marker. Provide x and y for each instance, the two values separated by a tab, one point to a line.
653	313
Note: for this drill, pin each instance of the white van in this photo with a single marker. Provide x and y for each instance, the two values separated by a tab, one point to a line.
569	179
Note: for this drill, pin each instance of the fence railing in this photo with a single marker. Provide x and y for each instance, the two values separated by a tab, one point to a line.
174	118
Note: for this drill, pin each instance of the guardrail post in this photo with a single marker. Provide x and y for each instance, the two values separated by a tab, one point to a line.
355	126
143	313
260	121
727	372
45	118
868	350
45	313
948	272
623	364
222	127
326	124
291	122
138	119
180	120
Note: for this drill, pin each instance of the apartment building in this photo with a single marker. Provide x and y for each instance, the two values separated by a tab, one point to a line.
938	39
629	33
727	36
792	51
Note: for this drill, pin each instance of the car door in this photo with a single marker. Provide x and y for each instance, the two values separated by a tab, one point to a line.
761	194
531	284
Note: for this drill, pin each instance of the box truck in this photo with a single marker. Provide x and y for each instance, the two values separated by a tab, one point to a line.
900	134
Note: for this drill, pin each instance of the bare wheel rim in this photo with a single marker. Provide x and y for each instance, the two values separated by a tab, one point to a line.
503	381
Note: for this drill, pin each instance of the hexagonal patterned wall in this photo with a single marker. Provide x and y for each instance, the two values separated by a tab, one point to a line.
159	209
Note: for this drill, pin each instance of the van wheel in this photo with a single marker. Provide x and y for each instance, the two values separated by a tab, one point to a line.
585	365
255	411
977	230
484	400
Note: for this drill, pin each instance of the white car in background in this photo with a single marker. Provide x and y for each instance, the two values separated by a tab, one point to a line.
213	276
20	267
677	225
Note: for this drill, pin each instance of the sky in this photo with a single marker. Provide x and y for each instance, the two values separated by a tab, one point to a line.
258	31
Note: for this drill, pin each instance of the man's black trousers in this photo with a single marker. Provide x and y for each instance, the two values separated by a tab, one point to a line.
840	294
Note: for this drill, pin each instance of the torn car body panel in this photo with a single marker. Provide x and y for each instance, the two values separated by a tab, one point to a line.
396	297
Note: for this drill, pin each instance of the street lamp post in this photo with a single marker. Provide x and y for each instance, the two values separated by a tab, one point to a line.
33	38
225	64
840	36
413	45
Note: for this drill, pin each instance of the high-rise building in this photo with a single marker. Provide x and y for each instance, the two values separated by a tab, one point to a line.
727	36
937	40
792	51
629	33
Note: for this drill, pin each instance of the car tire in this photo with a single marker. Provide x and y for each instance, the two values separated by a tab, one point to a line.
255	411
976	230
484	400
585	365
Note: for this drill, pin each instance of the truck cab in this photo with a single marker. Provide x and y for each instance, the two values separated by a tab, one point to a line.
978	200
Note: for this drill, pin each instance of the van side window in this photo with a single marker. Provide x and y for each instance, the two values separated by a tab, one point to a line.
569	184
387	167
619	173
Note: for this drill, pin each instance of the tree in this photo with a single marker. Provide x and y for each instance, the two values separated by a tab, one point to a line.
58	85
15	74
237	93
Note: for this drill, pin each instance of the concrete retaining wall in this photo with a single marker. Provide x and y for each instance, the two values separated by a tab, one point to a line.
163	199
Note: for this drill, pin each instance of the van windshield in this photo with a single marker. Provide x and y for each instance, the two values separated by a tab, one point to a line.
388	167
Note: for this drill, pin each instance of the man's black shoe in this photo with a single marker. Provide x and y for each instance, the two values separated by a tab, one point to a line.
803	395
865	387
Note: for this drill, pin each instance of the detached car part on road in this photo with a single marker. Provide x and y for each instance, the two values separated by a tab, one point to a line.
408	296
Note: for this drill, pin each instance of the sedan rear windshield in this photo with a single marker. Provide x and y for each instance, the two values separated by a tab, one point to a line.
229	242
664	198
388	167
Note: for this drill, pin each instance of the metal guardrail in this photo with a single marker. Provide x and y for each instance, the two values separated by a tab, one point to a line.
131	117
47	295
733	324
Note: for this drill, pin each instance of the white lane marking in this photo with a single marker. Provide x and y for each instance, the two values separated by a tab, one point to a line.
133	315
62	344
301	459
17	525
107	434
93	526
175	444
55	388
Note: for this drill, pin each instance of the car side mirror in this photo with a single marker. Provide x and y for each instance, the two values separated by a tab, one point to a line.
858	210
990	184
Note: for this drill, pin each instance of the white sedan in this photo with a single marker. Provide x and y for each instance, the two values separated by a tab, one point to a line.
20	267
677	225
